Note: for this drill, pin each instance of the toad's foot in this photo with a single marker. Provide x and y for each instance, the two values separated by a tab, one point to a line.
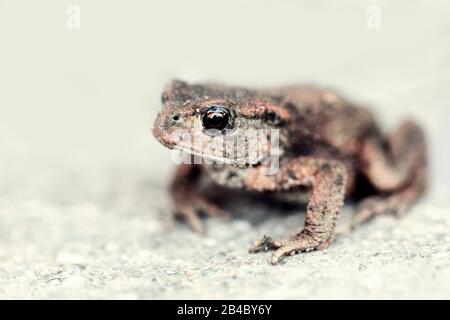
301	242
193	210
395	204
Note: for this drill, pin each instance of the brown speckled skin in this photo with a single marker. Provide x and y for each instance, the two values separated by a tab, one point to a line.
326	141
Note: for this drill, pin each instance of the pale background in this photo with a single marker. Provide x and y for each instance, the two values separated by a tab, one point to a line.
82	199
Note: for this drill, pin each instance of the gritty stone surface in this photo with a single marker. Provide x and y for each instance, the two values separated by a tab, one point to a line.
112	239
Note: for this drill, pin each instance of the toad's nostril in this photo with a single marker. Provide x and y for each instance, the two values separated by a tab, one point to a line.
176	117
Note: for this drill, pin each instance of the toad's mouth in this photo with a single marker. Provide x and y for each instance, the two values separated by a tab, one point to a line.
237	155
234	160
237	161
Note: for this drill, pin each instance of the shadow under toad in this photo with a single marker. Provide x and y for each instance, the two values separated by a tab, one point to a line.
256	208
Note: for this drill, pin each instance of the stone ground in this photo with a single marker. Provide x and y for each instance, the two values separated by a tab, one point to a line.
111	239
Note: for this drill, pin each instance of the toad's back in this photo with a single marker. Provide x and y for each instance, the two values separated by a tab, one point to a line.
322	117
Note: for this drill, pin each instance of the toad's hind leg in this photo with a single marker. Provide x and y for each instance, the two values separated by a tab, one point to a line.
397	169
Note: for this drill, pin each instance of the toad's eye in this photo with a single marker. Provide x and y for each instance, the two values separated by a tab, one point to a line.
216	117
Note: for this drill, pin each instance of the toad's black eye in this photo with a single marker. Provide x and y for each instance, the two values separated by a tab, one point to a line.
216	117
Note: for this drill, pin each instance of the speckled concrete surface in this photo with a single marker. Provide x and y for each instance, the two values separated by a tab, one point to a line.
83	207
112	240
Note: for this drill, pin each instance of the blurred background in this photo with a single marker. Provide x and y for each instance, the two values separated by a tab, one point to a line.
80	85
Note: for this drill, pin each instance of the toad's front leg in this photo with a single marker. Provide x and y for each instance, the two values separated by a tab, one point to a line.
327	180
189	201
